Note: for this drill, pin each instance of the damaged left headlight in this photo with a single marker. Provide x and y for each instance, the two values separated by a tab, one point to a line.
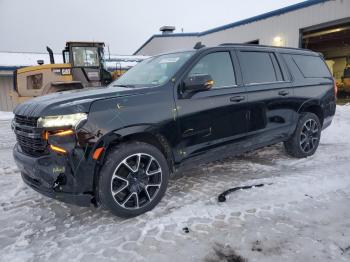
71	120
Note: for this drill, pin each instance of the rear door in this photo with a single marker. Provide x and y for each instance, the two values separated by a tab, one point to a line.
269	94
210	121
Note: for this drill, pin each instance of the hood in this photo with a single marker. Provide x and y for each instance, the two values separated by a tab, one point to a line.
75	101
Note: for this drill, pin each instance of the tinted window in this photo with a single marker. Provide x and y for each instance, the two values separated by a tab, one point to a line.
218	66
311	66
277	68
258	67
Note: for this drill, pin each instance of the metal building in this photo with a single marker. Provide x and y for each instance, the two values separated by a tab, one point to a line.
319	25
290	26
6	85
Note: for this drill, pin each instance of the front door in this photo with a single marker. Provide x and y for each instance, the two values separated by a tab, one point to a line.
210	121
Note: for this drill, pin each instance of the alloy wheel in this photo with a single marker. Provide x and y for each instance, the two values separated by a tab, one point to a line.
309	136
136	181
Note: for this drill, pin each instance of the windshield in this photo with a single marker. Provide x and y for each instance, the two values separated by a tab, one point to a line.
153	71
85	56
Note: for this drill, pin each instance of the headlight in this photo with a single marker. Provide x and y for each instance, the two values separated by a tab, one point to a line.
61	120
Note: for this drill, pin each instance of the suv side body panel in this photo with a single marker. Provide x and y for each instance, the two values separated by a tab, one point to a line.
271	113
209	122
208	125
312	92
152	112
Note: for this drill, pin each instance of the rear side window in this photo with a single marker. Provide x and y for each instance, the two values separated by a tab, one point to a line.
311	66
219	66
259	67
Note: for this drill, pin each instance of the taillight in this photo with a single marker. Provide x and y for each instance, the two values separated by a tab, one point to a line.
335	87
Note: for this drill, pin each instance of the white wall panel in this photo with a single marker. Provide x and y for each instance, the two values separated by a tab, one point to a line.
6	86
286	26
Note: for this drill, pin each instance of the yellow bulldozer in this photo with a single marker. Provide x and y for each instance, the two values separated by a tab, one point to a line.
83	66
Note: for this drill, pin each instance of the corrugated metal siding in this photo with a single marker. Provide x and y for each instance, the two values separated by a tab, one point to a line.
6	85
285	25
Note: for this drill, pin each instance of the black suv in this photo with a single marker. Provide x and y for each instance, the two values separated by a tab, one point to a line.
117	146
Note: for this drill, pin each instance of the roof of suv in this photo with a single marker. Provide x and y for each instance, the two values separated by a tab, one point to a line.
284	49
254	46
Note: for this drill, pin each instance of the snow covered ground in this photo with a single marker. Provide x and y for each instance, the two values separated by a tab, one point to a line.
303	215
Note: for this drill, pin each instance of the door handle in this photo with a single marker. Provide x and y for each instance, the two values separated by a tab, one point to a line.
283	93
237	98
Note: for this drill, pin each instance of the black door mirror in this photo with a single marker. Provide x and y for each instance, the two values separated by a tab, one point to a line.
197	83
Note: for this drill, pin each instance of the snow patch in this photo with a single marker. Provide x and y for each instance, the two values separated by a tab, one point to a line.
301	216
5	115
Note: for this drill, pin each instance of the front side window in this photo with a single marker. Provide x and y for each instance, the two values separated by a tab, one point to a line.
259	67
219	66
85	56
153	71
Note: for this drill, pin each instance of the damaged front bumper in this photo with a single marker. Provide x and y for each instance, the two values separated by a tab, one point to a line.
50	175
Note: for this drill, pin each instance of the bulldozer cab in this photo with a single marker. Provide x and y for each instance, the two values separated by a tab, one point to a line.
86	59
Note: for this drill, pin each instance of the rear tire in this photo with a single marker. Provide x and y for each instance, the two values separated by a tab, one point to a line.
133	179
306	137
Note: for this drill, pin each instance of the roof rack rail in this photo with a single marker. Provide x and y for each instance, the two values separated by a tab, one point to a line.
228	44
245	44
269	46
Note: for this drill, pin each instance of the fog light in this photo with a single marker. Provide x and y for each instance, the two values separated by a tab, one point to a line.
68	132
58	149
64	133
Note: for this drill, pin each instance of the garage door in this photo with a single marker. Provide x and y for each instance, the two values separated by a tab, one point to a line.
333	41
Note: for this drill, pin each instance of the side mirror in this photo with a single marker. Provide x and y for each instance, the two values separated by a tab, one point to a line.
197	83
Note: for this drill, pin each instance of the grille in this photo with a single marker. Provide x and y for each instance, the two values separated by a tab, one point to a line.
29	137
26	121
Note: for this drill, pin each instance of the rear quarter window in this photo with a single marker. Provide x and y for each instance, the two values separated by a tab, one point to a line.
311	66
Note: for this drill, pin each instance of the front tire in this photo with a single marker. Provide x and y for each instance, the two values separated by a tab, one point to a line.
306	137
133	179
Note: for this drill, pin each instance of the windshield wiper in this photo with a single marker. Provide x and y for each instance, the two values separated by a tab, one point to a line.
130	86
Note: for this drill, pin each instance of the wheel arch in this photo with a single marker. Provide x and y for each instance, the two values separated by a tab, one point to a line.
313	106
155	139
140	133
